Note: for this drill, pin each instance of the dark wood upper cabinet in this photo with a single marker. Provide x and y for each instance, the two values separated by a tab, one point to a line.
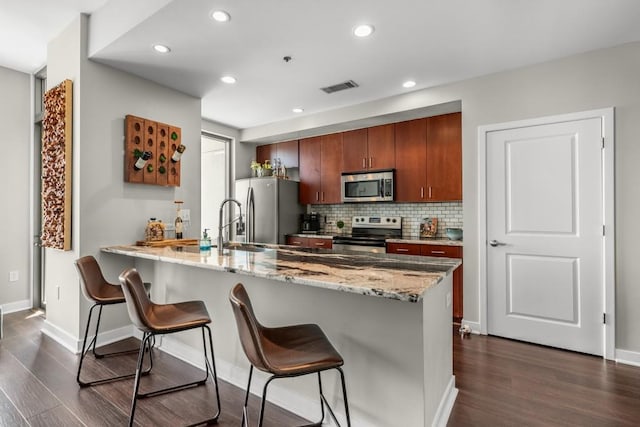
355	153
310	152
287	152
411	154
320	169
369	149
265	152
444	157
429	159
381	144
331	168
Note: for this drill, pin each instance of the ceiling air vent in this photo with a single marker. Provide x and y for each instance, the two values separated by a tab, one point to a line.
340	86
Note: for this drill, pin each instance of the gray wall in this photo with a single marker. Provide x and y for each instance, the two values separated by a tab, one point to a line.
15	144
106	210
592	80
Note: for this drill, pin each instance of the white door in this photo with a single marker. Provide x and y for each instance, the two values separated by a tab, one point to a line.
545	234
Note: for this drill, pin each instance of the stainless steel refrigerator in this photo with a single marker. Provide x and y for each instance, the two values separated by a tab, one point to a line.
271	209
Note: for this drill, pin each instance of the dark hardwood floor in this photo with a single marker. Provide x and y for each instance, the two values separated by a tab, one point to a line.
38	387
500	382
509	383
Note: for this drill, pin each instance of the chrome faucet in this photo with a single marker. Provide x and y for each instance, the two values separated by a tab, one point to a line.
239	227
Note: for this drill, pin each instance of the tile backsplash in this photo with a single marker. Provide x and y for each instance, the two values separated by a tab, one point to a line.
449	215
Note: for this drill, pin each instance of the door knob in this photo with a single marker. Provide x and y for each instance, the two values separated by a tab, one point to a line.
495	243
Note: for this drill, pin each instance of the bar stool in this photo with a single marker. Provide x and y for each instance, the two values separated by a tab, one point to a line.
95	288
160	319
284	352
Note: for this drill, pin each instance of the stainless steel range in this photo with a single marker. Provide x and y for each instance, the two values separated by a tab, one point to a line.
368	233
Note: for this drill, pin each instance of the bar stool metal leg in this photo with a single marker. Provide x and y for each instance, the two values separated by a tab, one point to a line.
323	401
92	346
210	371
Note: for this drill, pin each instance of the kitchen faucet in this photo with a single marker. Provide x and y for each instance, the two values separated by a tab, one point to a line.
239	227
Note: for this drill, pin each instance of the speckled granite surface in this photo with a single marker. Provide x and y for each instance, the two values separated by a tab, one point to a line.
399	277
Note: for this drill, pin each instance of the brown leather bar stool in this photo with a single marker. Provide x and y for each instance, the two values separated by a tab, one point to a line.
160	319
284	352
95	288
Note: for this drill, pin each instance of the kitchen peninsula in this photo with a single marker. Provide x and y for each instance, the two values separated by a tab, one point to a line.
388	315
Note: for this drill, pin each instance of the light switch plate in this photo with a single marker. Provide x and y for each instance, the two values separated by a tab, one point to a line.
14	276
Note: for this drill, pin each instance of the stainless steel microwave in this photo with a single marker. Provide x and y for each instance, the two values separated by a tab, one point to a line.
367	187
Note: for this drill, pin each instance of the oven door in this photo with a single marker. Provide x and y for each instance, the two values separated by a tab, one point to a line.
348	245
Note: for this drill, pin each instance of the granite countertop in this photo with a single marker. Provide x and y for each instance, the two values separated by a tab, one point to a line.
399	277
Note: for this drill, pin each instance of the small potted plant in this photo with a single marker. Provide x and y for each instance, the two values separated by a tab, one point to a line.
256	168
340	225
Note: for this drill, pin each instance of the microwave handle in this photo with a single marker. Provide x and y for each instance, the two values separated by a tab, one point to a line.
381	187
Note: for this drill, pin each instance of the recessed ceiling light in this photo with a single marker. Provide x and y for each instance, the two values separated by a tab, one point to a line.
408	84
160	48
228	79
298	110
220	16
364	30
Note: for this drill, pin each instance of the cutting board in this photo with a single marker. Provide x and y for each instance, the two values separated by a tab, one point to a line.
167	242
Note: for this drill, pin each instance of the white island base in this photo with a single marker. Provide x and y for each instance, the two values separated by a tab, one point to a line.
398	354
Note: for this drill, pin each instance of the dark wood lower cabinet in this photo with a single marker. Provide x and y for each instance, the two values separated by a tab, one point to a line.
437	251
310	242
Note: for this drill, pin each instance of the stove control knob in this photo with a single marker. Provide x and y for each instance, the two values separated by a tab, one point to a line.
393	220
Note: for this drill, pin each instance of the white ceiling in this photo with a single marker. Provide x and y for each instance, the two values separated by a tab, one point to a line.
430	41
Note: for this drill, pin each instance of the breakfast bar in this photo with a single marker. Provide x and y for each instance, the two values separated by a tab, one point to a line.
388	315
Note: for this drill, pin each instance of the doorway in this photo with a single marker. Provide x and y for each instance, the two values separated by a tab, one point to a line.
214	179
546	243
38	254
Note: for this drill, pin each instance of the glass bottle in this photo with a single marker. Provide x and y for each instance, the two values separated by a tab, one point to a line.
142	160
178	153
178	221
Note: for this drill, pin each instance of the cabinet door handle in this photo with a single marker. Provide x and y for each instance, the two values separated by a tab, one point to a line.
402	250
422	192
323	196
429	192
296	243
364	163
317	196
370	162
438	252
319	244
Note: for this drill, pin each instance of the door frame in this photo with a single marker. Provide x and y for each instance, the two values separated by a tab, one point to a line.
608	249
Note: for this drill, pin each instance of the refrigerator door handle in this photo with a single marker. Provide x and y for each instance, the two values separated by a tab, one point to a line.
250	216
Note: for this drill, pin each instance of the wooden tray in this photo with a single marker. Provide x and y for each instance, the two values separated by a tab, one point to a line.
167	242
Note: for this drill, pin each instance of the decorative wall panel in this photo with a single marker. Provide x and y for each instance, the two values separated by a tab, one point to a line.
56	166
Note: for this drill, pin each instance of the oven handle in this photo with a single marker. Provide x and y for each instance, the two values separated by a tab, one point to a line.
359	243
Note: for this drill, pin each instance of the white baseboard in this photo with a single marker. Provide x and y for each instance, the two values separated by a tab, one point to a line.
74	344
627	357
475	326
61	336
278	395
12	307
446	404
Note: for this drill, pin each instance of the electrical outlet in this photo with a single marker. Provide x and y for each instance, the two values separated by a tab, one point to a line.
448	299
14	276
185	214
